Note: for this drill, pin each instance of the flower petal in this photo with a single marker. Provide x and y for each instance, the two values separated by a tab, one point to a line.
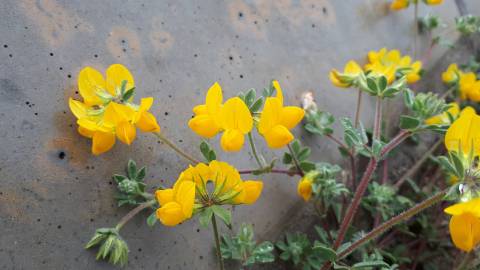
214	99
232	140
236	115
147	123
465	231
126	132
278	137
279	93
291	116
185	196
464	133
204	126
90	81
164	196
116	74
304	189
252	191
270	116
102	142
79	109
170	214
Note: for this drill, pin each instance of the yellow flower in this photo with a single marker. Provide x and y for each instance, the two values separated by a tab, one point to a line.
464	133
233	117
304	188
413	75
192	190
465	224
348	77
467	85
276	120
452	74
444	119
176	204
433	2
399	4
104	114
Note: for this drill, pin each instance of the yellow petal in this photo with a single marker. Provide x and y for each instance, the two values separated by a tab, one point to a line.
116	74
147	123
232	140
236	115
334	78
87	124
465	231
102	142
79	109
122	112
434	2
352	68
464	133
146	104
164	196
451	74
252	191
126	132
214	99
204	125
200	109
443	118
472	207
278	137
185	196
474	92
291	116
170	214
304	189
466	83
90	81
270	116
85	132
279	93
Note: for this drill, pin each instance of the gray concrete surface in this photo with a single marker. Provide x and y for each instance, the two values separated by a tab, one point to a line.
51	204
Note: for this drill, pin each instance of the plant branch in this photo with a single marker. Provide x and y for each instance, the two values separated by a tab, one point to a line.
175	148
133	213
280	171
254	150
295	160
377	126
359	105
217	243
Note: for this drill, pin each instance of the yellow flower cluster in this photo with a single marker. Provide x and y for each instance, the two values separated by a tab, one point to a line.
467	83
192	190
444	118
107	110
235	119
380	63
463	137
304	188
402	4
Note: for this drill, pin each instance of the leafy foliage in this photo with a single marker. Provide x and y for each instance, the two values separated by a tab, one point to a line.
301	153
112	246
468	24
131	187
253	103
243	247
422	106
383	199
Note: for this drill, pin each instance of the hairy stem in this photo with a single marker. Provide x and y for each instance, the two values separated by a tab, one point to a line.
254	150
359	105
217	243
393	221
175	148
295	160
415	33
280	171
133	213
377	126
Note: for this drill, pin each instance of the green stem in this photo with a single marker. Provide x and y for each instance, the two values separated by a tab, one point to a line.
217	243
295	160
415	25
254	150
133	213
377	127
393	221
359	105
465	262
175	148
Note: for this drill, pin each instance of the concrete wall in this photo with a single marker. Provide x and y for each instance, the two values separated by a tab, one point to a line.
51	204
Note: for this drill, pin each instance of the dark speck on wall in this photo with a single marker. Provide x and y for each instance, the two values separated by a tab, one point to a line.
61	155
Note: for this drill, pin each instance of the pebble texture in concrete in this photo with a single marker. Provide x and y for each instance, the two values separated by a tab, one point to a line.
54	193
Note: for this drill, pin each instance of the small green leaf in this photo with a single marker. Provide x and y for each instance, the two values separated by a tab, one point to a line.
250	97
256	105
363	265
307	166
223	214
324	251
372	85
205	217
287	158
128	94
141	174
409	122
132	169
304	154
152	219
382	83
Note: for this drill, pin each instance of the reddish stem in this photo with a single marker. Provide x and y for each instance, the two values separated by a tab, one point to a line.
280	171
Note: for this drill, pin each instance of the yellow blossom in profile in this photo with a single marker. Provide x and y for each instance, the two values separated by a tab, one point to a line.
413	75
469	86
192	191
399	4
304	188
351	71
452	74
464	133
233	118
106	112
276	121
465	224
387	62
444	118
433	2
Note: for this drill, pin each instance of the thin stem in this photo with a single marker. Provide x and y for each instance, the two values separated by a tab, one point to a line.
337	141
133	213
175	148
377	126
399	138
393	221
280	171
254	150
448	92
417	165
217	243
359	105
295	160
415	25
465	261
350	154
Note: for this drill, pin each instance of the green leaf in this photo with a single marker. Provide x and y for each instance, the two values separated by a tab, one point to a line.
128	94
132	169
382	83
304	154
307	166
377	147
223	214
296	147
141	174
250	97
363	265
152	219
324	252
287	158
409	122
257	105
408	97
122	87
119	178
205	217
372	85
